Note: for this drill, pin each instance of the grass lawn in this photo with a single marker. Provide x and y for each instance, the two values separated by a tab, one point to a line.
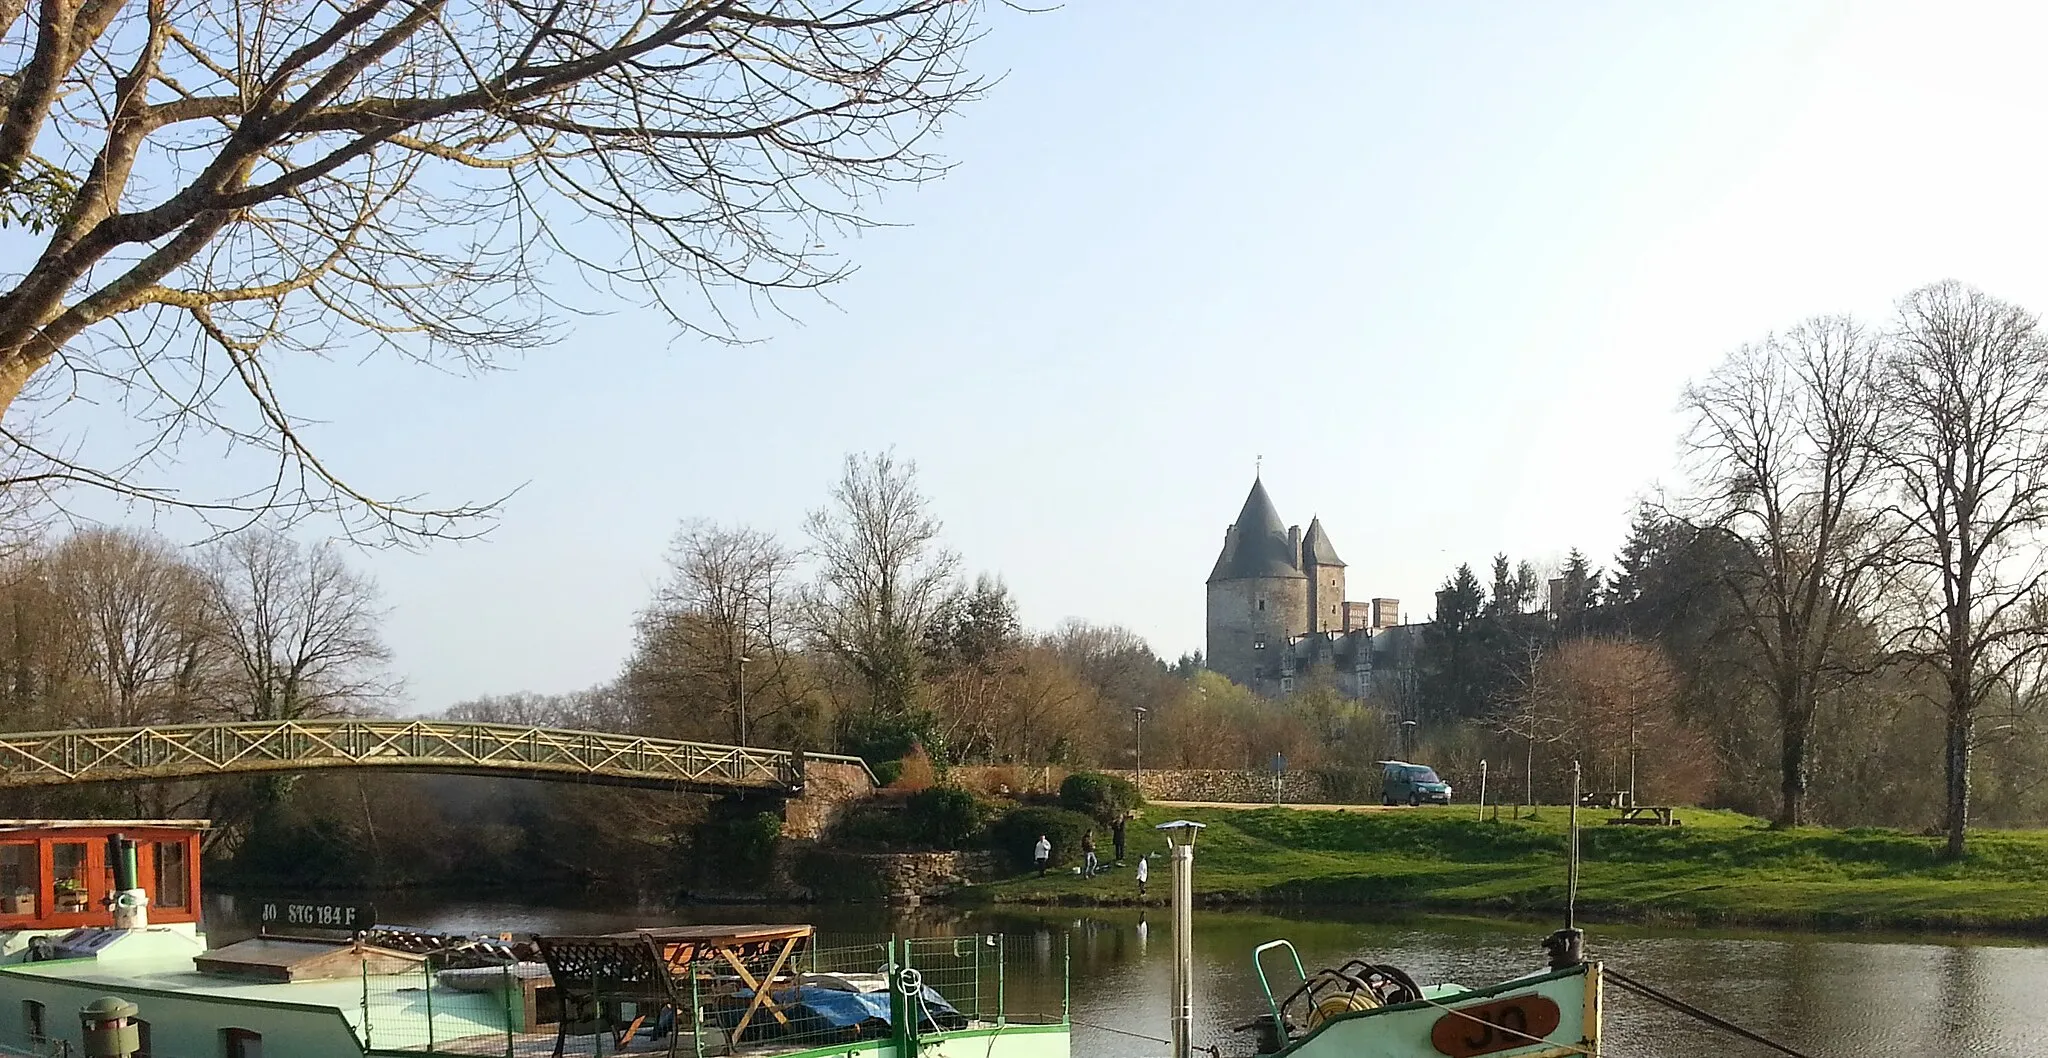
1720	867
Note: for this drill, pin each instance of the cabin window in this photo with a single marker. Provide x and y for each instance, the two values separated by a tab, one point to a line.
68	882
141	1038
241	1043
32	1020
18	881
173	876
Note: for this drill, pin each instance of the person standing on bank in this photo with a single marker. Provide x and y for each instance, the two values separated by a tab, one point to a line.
1144	874
1116	839
1041	854
1088	854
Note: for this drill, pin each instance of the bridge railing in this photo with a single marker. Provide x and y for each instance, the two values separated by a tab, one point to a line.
175	751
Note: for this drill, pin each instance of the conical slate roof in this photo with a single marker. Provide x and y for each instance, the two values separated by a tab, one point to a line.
1258	547
1316	549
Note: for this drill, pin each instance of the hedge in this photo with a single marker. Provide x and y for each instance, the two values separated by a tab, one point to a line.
1015	834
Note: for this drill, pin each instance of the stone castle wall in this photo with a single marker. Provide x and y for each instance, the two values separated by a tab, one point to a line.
1243	613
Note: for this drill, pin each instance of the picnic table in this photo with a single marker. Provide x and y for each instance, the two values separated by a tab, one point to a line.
741	947
1645	816
1608	799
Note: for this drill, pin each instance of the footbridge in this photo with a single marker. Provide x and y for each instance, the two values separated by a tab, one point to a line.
197	751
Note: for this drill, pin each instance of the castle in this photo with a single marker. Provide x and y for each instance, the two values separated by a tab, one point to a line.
1277	611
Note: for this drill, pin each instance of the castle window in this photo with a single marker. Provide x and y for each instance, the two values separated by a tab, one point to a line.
1262	604
1259	643
1286	685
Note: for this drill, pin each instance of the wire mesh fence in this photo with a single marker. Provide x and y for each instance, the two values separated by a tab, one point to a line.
861	988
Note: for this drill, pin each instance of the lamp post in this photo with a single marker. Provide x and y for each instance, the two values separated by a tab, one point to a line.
743	700
1407	739
1482	788
1180	843
1138	746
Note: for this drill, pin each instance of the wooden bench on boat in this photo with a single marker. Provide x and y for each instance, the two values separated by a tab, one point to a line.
1645	816
599	979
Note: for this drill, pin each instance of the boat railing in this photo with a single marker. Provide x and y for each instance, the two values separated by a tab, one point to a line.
859	988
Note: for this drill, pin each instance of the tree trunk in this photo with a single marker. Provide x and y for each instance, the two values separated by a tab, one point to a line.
14	376
1792	762
1958	759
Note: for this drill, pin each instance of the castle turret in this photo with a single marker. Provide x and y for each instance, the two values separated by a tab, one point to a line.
1325	573
1258	596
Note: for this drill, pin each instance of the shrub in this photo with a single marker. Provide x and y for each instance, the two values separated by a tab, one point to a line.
873	825
1017	831
1351	785
1103	798
944	817
914	771
735	846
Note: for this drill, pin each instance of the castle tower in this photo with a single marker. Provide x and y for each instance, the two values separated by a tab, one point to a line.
1325	572
1258	595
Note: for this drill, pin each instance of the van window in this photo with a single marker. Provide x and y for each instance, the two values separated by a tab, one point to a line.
241	1043
173	875
141	1037
1419	774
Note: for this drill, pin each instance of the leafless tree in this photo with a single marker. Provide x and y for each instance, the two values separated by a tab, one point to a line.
1967	387
882	577
213	186
1614	703
131	611
297	627
719	639
591	709
1785	434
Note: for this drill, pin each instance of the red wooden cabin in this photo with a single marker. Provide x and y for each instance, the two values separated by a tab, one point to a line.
54	873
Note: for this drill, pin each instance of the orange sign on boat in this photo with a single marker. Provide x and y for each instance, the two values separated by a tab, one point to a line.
1503	1024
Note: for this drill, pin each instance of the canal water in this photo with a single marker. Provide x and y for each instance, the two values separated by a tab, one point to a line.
1830	996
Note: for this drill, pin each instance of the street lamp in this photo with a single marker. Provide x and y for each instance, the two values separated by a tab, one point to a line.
1407	739
1180	842
743	700
1138	745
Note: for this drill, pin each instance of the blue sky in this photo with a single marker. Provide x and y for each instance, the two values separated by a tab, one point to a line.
1445	266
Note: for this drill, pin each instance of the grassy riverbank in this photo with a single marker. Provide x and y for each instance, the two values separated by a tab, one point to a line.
1719	867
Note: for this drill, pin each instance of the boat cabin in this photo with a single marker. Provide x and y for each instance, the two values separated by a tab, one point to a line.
56	875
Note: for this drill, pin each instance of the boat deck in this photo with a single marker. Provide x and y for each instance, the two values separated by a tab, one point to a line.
542	1045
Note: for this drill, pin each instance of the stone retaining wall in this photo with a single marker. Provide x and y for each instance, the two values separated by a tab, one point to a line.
829	786
898	877
1227	785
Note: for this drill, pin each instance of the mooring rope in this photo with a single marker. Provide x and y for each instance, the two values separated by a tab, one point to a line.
1121	1032
1683	1007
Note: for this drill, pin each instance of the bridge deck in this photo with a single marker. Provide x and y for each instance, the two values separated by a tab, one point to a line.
184	751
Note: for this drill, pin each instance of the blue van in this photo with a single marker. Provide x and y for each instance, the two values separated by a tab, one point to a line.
1412	784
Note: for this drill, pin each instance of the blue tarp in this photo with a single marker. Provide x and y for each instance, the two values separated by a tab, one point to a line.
831	1013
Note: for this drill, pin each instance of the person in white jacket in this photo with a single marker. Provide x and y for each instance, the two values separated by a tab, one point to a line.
1144	873
1041	853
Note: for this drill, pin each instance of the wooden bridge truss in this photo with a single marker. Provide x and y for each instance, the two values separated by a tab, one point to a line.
189	751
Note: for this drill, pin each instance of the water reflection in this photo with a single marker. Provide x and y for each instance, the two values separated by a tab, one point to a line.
1829	996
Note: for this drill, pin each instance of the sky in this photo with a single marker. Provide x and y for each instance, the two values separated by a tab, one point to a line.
1442	270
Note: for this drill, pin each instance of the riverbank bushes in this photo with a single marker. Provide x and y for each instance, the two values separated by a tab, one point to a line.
1720	867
